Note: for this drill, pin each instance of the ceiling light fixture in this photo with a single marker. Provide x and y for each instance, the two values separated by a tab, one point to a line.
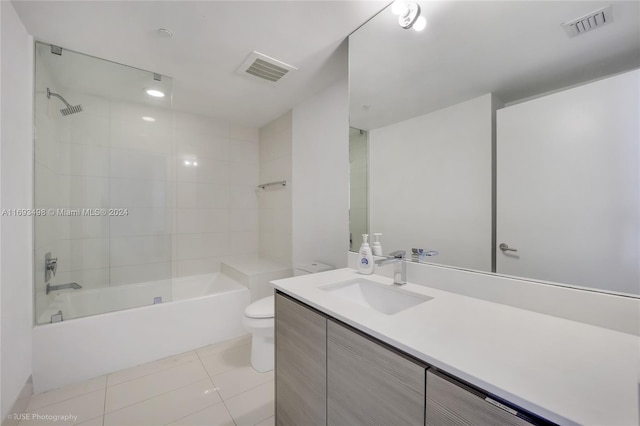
155	93
408	15
149	119
163	32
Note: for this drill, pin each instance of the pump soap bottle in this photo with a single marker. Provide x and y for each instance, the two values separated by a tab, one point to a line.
376	247
365	258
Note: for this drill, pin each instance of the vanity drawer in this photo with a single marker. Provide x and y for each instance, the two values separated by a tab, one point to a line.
452	403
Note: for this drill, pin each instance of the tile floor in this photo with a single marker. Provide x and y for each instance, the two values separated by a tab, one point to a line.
214	385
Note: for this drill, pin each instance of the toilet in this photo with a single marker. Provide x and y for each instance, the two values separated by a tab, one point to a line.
258	320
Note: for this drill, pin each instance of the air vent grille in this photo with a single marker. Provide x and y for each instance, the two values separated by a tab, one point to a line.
589	22
264	67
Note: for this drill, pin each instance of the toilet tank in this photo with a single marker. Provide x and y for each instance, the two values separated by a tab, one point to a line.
310	268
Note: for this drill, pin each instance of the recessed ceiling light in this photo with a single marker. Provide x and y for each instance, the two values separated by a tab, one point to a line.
150	119
163	32
155	93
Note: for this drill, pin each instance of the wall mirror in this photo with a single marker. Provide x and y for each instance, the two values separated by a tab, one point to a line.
505	136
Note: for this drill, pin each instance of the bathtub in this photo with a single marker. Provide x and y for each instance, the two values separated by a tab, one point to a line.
131	329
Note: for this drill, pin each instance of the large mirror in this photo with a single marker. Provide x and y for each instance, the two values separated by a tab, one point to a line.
505	136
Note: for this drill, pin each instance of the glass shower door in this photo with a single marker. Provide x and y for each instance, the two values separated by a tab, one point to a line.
104	180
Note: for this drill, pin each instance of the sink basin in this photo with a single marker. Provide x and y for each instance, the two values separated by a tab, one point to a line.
382	298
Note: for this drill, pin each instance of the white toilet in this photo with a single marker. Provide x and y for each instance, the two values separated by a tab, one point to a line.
258	320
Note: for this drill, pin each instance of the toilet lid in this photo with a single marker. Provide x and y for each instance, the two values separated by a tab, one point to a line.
263	308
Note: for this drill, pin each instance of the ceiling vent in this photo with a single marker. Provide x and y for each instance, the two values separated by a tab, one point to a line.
264	67
589	22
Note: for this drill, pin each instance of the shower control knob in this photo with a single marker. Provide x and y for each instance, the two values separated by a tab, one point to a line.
505	248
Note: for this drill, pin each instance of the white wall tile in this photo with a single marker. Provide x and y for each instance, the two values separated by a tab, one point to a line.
244	243
191	145
141	221
140	250
203	195
191	221
242	151
83	160
89	129
243	173
142	135
88	253
198	266
247	134
130	163
207	170
86	191
130	193
243	220
276	169
122	275
243	197
196	246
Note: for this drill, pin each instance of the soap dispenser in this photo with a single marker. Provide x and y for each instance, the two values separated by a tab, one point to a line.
376	247
365	258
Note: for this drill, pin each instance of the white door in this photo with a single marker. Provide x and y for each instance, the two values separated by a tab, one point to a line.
568	186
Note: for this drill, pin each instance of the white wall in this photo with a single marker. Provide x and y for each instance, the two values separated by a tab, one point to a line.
275	201
320	178
16	192
358	186
439	196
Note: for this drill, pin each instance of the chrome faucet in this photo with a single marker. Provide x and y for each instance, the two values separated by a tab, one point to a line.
400	272
50	267
74	286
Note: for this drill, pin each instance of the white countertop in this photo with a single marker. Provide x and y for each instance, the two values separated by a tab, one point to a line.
565	371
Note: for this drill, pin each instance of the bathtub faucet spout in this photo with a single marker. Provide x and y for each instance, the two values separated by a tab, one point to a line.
74	286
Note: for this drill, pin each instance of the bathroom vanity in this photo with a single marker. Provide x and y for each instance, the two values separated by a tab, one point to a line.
356	350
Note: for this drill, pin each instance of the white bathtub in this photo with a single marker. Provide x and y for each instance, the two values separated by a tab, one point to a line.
205	309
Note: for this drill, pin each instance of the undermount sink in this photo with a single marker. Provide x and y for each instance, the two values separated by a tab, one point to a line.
380	297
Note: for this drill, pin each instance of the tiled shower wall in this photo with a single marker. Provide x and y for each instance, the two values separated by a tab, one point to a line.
182	218
276	140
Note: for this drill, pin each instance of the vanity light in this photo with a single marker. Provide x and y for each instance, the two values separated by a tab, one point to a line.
420	24
187	162
408	15
155	93
149	119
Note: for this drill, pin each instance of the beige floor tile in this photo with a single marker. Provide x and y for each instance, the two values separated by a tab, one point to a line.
134	391
67	392
78	409
271	421
166	408
253	406
93	422
228	359
238	380
216	415
219	347
18	409
150	368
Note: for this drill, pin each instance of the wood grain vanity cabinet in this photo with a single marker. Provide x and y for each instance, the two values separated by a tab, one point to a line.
301	364
328	373
452	403
370	384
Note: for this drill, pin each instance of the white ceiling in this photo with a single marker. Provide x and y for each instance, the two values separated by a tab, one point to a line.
515	49
211	40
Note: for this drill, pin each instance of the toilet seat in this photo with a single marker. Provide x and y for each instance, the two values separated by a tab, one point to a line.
263	308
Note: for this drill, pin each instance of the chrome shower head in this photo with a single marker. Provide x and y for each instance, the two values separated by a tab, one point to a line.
70	109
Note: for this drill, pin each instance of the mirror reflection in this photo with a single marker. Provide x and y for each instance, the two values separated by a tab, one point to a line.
505	136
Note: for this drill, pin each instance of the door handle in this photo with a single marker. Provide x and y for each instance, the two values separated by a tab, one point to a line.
504	247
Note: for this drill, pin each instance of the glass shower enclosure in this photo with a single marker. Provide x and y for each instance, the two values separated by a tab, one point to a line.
104	179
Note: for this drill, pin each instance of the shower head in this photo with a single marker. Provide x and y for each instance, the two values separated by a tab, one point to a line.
70	109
